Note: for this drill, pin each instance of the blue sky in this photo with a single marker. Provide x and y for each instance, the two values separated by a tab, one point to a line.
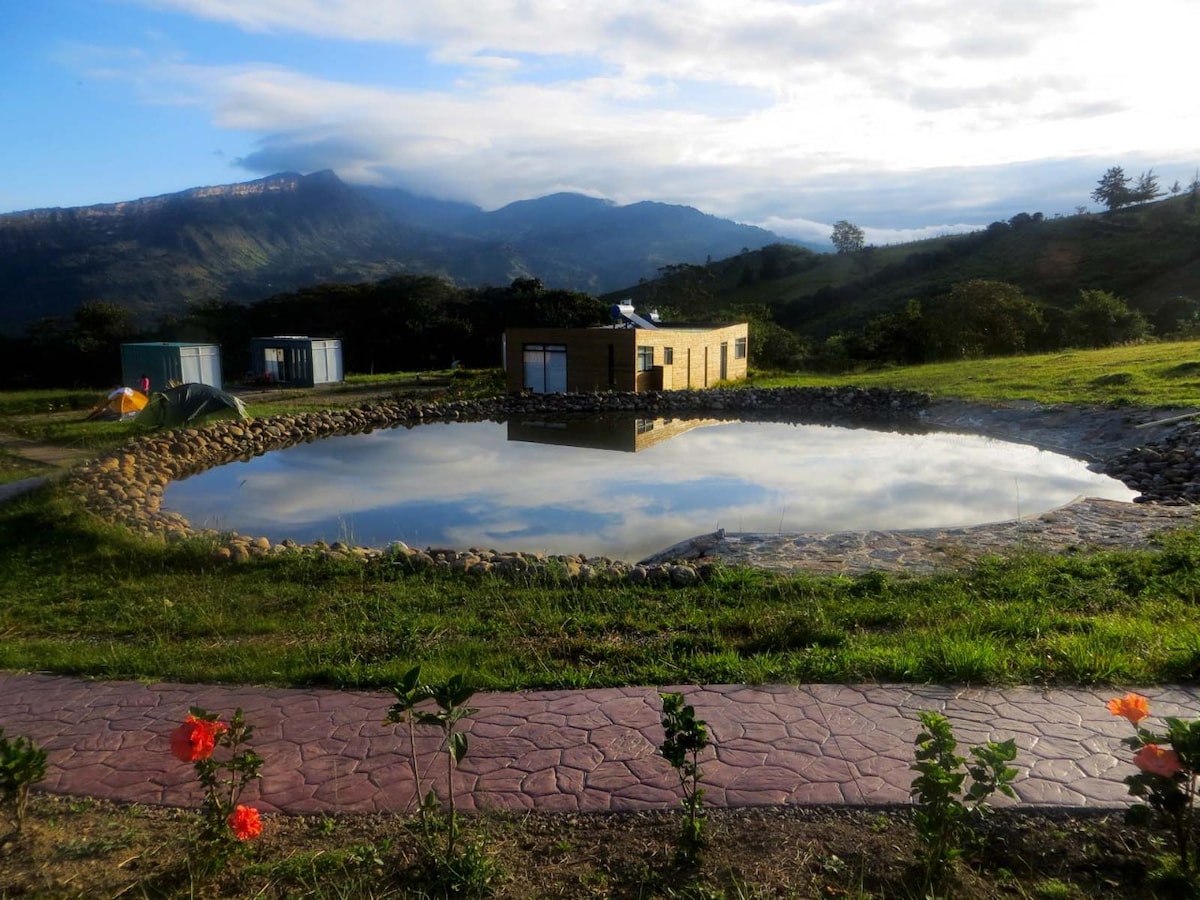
905	116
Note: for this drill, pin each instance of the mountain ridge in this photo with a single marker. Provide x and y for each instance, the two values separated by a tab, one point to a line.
157	255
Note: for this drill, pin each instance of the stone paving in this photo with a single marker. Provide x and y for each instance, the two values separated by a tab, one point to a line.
591	750
1086	524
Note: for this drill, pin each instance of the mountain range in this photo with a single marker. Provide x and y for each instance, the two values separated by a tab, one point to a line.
243	242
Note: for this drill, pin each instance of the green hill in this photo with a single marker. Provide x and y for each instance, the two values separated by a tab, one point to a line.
1148	255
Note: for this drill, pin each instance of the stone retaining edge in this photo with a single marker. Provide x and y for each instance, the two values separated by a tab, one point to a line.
126	486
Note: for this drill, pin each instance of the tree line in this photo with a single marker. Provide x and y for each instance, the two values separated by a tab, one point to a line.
404	323
1116	189
980	318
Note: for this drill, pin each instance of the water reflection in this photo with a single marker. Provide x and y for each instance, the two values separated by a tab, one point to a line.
464	485
628	435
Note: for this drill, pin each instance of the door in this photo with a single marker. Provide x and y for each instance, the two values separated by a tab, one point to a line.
724	360
545	368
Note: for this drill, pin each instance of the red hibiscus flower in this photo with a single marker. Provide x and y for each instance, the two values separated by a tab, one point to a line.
245	823
1158	761
195	739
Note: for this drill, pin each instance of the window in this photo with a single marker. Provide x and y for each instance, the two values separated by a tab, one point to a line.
645	359
668	356
643	426
739	348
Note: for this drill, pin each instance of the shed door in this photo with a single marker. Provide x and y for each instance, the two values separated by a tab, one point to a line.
545	368
273	363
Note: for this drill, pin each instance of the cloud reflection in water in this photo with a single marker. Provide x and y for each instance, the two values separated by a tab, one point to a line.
463	485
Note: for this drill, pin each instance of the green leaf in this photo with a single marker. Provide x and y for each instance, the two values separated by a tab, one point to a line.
458	745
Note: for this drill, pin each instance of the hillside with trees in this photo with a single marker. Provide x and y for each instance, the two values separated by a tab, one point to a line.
1029	284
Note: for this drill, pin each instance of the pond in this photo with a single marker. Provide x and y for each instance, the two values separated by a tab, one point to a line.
623	487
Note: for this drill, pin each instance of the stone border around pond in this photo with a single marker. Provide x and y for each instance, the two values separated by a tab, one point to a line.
127	486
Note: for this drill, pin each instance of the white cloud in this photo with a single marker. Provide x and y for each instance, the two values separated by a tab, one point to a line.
881	98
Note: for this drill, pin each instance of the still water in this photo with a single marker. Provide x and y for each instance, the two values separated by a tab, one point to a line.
625	488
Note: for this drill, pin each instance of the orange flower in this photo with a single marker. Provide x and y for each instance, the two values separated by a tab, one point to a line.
245	823
1133	707
195	739
1158	761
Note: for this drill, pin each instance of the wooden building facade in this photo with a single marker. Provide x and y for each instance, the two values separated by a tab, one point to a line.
620	358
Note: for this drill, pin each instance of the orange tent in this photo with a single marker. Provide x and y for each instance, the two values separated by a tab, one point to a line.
122	403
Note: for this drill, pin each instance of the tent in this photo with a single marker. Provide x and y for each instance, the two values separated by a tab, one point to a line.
190	404
122	403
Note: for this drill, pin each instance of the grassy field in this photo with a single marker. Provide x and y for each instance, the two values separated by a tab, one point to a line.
1157	375
60	417
84	598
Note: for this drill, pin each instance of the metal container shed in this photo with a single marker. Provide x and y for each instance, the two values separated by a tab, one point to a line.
296	360
166	362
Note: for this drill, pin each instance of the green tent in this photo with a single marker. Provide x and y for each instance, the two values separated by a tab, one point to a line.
190	404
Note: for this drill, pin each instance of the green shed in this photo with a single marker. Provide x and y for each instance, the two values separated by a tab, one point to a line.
166	362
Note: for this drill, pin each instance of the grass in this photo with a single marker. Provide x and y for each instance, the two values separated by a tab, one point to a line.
88	599
1155	375
1152	375
16	468
60	417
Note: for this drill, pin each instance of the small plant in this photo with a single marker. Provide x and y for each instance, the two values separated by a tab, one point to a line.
223	820
943	811
450	699
685	739
22	765
1167	777
469	870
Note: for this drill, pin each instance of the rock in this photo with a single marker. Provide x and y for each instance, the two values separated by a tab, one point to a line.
683	576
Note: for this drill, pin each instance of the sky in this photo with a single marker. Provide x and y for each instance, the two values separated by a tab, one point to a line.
906	117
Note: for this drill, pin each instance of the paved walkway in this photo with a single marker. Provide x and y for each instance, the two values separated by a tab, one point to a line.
55	457
17	488
592	750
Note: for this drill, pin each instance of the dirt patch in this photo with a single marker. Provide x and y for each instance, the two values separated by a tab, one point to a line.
85	848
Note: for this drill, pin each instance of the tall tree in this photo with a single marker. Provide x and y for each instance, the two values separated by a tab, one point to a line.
1146	188
1113	189
847	238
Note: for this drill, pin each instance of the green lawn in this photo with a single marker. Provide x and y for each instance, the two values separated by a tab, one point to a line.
87	599
80	597
1165	374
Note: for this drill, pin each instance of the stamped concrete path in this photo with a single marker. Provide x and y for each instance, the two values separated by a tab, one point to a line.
593	750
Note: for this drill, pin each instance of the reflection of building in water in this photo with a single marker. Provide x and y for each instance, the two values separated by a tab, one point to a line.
623	434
